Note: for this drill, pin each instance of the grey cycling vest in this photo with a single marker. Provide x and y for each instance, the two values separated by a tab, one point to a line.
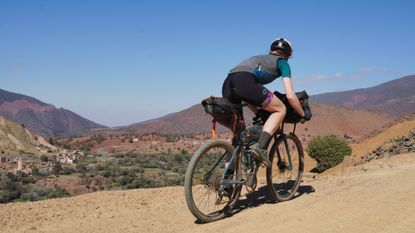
259	64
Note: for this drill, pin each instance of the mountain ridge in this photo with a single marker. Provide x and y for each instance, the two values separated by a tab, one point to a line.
332	119
395	97
42	118
400	90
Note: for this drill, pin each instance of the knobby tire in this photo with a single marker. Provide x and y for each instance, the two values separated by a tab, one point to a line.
190	178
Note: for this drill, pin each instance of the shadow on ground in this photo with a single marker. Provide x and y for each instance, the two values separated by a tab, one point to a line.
260	197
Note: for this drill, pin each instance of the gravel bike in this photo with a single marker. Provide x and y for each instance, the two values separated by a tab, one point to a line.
220	169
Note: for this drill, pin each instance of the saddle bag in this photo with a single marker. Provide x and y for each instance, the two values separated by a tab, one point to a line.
222	111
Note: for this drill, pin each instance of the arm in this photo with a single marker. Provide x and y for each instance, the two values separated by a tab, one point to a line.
292	98
289	90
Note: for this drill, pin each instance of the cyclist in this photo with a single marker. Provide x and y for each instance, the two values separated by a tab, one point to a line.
245	83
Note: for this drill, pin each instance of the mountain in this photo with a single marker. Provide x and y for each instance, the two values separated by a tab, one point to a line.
333	112
327	119
189	121
15	138
396	97
42	118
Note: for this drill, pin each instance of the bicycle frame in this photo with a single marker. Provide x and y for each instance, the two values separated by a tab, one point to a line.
236	167
234	157
237	152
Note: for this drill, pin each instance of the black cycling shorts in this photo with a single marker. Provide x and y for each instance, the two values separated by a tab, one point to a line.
243	86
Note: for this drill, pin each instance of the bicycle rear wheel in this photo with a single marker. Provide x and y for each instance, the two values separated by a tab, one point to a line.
284	176
204	184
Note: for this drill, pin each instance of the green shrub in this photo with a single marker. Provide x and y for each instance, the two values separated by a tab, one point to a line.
51	141
67	171
81	167
28	180
124	180
44	158
328	151
35	171
57	168
58	192
105	173
43	172
7	196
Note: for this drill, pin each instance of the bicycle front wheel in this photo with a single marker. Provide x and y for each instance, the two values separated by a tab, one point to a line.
204	187
284	176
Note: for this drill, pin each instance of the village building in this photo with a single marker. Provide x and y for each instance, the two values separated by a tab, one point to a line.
21	168
19	165
69	157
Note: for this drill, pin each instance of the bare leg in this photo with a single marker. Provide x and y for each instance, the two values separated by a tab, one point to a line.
278	111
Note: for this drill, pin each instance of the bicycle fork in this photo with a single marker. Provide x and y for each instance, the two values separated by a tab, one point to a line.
287	150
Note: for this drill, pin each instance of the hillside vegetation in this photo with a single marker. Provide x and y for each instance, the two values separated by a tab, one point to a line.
16	138
342	190
337	203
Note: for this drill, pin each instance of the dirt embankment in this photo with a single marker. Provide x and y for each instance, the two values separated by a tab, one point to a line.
373	197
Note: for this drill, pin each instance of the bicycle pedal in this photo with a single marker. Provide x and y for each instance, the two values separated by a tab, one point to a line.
218	201
227	192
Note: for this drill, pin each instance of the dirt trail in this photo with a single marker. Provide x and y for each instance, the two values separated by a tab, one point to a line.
374	197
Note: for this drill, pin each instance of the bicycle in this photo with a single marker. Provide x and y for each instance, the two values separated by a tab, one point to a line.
218	169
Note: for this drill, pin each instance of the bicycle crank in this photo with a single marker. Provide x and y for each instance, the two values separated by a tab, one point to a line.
251	183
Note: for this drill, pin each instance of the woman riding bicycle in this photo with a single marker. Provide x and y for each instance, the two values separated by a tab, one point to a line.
245	83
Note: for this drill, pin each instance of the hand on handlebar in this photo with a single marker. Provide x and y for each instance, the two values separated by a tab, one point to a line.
307	115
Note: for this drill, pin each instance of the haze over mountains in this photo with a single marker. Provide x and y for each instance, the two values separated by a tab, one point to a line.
396	97
392	99
41	118
326	120
346	114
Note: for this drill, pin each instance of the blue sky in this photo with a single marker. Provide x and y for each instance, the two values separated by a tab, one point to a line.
121	62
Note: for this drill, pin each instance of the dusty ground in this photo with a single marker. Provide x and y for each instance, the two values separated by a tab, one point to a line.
374	197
